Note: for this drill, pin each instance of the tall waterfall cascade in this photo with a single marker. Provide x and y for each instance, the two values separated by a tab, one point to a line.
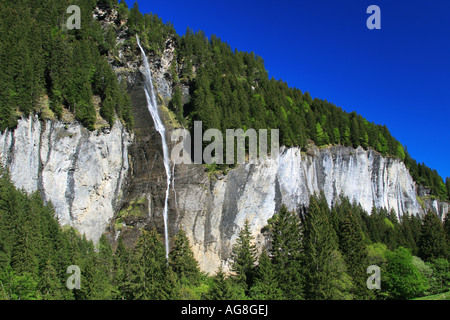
159	126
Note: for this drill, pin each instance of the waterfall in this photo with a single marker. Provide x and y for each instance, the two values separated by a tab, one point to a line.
159	126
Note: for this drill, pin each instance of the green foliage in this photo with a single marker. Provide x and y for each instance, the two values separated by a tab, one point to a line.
440	277
67	66
324	267
182	261
223	288
243	256
432	242
324	257
447	233
151	278
401	278
230	89
17	286
354	251
266	286
286	248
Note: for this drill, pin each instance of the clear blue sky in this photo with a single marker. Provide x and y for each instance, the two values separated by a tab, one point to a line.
398	76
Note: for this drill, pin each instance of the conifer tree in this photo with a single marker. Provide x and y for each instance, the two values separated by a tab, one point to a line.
243	256
103	272
121	271
432	243
222	288
323	265
266	286
151	277
182	261
408	233
24	253
447	233
286	250
355	254
447	185
50	284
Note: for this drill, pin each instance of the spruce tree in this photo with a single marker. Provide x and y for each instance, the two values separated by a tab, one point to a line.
408	233
222	288
50	285
321	263
286	249
447	185
243	257
447	233
182	261
103	273
432	243
151	277
354	251
121	272
266	286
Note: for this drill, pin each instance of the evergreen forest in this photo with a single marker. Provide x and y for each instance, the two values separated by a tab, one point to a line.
319	254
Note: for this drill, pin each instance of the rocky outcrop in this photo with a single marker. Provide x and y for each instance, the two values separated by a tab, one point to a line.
80	172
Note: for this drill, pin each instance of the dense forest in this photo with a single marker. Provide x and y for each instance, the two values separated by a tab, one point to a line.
317	254
49	69
53	71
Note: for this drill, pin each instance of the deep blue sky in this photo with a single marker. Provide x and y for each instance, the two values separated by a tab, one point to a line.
398	76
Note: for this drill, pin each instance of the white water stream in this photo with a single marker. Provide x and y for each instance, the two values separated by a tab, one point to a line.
159	126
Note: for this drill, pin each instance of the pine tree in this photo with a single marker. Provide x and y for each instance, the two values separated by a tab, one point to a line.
266	286
321	263
151	277
222	288
432	243
286	249
243	257
121	272
355	254
182	261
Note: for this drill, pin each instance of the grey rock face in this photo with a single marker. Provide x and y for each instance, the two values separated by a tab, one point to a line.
212	211
80	172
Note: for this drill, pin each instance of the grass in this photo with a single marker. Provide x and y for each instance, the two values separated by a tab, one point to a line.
440	296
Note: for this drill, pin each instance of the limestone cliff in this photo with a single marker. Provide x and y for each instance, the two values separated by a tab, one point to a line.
79	171
213	211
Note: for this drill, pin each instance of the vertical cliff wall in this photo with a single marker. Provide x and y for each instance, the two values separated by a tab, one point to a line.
213	210
80	172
